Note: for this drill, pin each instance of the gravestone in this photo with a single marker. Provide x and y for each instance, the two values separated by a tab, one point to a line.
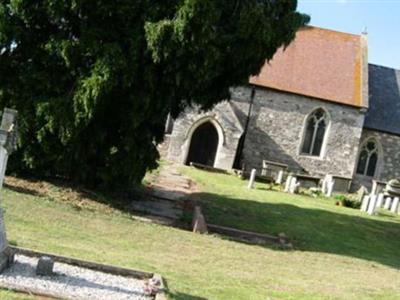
388	203
364	204
199	224
294	186
330	185
252	179
8	141
379	203
361	193
287	184
45	266
372	205
279	179
395	205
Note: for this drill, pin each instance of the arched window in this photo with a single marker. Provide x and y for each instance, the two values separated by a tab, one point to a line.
368	159
314	133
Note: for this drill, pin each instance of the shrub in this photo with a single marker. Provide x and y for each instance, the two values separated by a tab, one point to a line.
347	202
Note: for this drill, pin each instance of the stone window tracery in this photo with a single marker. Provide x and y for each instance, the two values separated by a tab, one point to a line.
315	133
368	159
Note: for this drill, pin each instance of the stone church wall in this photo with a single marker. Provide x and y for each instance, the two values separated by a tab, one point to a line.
276	128
227	124
388	166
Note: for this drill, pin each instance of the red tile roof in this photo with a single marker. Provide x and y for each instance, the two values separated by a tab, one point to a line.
320	63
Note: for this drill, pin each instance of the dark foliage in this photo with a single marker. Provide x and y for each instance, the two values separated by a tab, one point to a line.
94	81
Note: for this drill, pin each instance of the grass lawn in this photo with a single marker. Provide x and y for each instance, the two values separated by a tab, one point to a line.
314	224
340	253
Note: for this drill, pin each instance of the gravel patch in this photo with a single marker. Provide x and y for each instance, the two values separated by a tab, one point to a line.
74	282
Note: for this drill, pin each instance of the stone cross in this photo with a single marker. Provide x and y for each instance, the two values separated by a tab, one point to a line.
252	178
8	142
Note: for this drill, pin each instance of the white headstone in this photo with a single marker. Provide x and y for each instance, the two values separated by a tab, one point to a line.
381	198
326	182
374	187
372	205
279	179
330	186
324	186
364	204
294	186
252	178
395	205
388	203
287	184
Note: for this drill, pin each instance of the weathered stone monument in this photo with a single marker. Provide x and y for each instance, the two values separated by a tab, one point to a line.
393	187
364	204
252	179
8	141
372	205
199	224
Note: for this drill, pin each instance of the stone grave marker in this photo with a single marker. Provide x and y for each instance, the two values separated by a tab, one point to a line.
252	179
279	179
330	185
287	183
381	198
395	205
364	204
388	203
372	205
8	141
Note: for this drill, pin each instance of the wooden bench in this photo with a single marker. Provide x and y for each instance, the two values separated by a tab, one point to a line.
307	181
271	169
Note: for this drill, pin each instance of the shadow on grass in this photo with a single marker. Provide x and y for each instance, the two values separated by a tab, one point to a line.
317	230
69	192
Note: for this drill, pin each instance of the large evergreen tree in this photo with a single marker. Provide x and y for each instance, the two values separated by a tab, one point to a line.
94	81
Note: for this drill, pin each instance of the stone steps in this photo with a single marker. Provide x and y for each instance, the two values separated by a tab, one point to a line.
162	208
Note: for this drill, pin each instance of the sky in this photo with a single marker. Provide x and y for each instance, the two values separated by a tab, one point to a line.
380	18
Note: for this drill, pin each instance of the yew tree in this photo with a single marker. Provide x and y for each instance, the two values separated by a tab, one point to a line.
94	81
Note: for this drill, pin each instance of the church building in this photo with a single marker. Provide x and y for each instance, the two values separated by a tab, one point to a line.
318	107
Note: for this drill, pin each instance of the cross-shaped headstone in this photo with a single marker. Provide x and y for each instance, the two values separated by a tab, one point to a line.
8	142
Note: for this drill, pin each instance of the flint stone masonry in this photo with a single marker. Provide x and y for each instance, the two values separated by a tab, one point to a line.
388	166
229	129
276	130
275	133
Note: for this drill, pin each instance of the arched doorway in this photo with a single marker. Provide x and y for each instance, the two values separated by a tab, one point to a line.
203	145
